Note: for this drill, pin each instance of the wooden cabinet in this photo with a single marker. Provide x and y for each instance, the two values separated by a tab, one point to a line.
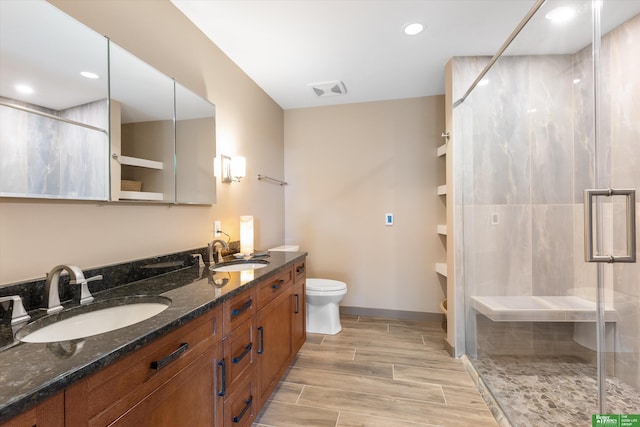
217	370
238	369
238	309
239	354
49	413
299	307
274	287
184	400
298	317
134	387
274	344
241	407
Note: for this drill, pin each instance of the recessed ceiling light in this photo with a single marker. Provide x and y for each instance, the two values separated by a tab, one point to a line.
22	88
483	82
561	14
89	75
413	28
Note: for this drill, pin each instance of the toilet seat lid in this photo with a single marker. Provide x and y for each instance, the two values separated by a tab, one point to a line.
325	285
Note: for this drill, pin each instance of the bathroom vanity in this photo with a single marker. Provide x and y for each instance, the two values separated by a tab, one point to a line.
211	359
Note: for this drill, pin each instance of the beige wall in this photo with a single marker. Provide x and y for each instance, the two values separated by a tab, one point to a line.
36	235
347	166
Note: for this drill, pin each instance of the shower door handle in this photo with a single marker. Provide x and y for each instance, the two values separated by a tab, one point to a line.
630	256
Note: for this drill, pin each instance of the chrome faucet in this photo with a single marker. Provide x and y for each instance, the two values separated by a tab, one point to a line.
212	250
14	305
76	276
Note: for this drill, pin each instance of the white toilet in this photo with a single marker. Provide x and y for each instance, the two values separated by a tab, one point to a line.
323	301
323	309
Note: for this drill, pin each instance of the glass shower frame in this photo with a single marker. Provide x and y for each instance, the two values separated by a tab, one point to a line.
531	135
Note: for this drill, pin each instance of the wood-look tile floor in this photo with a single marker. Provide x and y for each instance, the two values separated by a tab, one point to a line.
379	373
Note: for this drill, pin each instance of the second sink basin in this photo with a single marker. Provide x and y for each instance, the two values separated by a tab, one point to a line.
240	265
93	319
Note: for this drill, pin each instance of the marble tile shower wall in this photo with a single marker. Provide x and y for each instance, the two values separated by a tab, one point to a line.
42	157
527	155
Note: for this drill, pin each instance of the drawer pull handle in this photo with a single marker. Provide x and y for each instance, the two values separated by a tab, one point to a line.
276	286
223	369
244	410
297	303
241	356
159	364
237	311
261	333
300	268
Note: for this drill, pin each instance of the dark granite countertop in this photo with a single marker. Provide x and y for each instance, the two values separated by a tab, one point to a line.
29	373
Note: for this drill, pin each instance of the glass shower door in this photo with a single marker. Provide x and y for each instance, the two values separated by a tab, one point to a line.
617	123
554	338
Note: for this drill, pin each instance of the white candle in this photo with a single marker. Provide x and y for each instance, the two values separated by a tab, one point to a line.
246	234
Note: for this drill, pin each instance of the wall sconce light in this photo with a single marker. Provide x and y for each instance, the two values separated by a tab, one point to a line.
233	168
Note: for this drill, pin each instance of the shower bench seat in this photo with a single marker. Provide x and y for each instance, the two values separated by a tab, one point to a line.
539	309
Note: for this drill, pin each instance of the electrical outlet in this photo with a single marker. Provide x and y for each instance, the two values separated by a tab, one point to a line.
216	228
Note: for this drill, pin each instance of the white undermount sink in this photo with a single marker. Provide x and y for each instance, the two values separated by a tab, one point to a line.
241	265
93	319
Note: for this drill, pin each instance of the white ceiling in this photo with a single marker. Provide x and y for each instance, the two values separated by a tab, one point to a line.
284	45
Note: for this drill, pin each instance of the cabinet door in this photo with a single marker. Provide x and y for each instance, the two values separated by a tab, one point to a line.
298	317
274	343
184	400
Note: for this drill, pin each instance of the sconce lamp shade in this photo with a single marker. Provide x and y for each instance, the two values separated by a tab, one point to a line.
246	234
238	168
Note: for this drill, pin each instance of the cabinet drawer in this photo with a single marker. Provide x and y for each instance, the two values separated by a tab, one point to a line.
238	309
239	354
173	403
300	270
273	287
106	395
242	406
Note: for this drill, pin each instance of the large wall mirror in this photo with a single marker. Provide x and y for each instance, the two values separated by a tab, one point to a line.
53	115
123	132
142	135
195	125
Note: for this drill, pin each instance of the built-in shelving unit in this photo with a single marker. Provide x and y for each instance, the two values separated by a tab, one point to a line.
143	163
141	195
137	162
441	229
441	268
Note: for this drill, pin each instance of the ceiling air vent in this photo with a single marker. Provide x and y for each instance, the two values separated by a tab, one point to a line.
329	88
